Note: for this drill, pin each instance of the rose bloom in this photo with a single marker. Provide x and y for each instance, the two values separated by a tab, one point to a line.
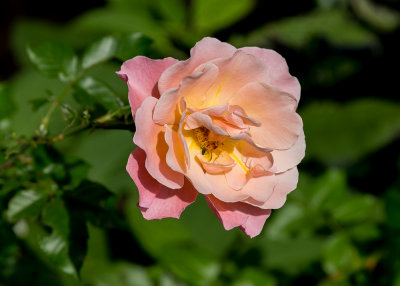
223	124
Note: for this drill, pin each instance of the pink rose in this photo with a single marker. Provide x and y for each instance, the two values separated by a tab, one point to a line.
223	124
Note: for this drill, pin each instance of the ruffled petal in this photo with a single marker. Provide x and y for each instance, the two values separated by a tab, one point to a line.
204	51
276	110
286	182
150	137
141	75
192	88
278	70
249	218
155	200
286	159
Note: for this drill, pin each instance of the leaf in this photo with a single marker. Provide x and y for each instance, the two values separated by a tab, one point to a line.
6	104
210	16
26	203
132	45
100	51
290	255
192	265
358	208
340	256
91	91
54	59
342	134
56	245
38	103
254	277
334	25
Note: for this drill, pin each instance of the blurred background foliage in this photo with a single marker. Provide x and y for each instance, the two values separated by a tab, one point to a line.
68	208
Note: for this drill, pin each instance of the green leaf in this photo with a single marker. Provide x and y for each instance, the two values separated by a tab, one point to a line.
54	59
341	134
254	277
210	16
90	90
100	51
358	208
56	245
392	203
26	203
38	103
192	265
340	256
290	255
132	45
334	25
6	103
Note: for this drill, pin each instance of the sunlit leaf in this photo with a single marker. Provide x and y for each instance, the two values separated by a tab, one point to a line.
100	51
53	59
90	91
341	134
56	245
27	203
210	16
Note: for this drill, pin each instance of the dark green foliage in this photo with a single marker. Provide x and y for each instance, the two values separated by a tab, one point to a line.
68	208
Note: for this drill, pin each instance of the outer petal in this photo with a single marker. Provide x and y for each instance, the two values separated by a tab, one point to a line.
141	75
205	50
278	71
155	200
250	219
276	110
286	159
150	137
287	182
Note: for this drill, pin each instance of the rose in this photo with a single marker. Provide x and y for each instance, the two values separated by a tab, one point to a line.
222	123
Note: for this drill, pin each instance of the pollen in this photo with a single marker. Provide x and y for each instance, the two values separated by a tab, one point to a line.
207	146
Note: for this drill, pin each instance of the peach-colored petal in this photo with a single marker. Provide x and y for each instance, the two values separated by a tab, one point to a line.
141	75
237	178
155	200
234	73
192	87
252	156
204	51
278	71
276	111
249	218
150	137
222	191
261	188
176	157
286	159
287	182
222	164
198	119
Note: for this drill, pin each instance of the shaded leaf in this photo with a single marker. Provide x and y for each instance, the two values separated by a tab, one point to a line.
254	277
132	45
192	265
6	103
336	134
38	103
100	51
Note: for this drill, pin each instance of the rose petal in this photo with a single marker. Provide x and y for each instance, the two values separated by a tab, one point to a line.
193	88
141	75
250	219
286	159
287	182
150	137
155	200
204	51
222	164
278	71
276	111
